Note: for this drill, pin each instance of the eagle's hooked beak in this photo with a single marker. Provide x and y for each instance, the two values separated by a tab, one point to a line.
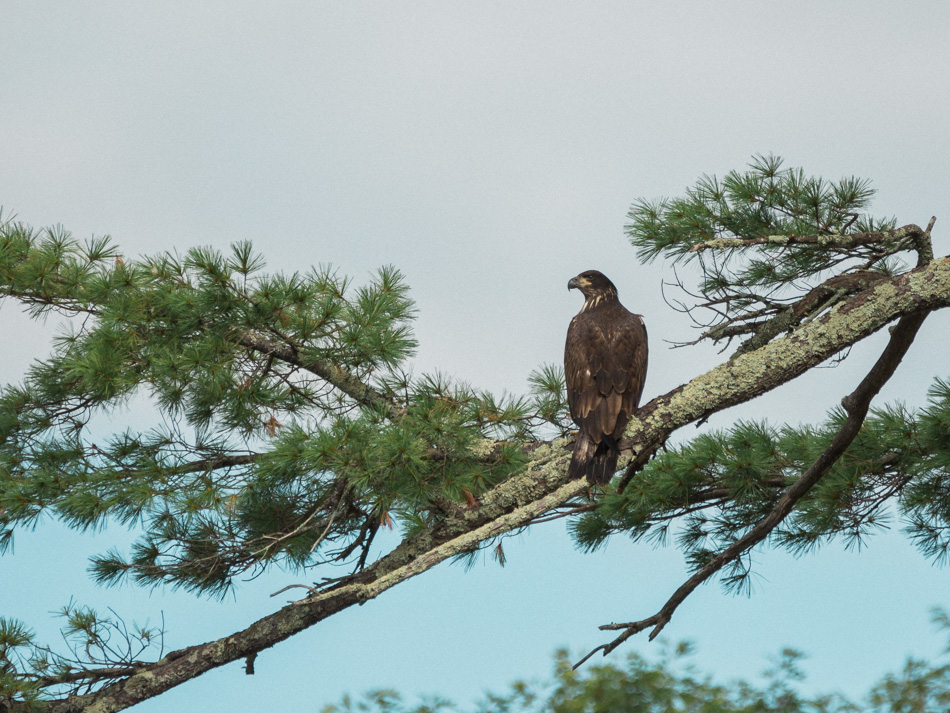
574	284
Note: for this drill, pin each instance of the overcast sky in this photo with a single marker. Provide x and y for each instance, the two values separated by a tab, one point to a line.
490	151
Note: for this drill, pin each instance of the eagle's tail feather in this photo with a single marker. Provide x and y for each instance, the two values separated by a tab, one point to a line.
584	450
597	461
601	468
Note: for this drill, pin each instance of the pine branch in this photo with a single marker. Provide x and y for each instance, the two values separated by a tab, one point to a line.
331	373
209	464
50	271
541	487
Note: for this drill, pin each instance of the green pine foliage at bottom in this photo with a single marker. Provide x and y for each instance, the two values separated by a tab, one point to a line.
671	683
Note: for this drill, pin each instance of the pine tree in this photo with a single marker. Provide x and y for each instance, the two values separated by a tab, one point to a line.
285	428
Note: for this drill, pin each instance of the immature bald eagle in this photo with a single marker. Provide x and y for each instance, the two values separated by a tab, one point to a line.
605	364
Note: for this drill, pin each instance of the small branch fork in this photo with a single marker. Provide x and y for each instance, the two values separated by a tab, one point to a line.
856	404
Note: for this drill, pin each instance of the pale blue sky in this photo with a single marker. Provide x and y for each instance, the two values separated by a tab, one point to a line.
482	148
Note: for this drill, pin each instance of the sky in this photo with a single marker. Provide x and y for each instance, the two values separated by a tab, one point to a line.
490	151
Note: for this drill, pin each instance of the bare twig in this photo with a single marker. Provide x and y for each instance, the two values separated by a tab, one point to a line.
291	586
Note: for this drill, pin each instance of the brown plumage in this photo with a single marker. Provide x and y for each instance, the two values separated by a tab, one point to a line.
605	364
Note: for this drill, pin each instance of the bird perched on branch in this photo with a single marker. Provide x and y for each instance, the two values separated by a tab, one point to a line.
605	365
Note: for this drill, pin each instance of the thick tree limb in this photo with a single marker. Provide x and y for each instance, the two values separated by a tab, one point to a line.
821	297
856	404
543	486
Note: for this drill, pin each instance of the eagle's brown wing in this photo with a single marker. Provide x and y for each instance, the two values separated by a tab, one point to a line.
605	363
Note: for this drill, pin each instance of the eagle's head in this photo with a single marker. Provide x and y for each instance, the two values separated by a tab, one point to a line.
593	284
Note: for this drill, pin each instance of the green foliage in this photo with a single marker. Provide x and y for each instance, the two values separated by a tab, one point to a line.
741	288
549	390
765	200
920	687
671	684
